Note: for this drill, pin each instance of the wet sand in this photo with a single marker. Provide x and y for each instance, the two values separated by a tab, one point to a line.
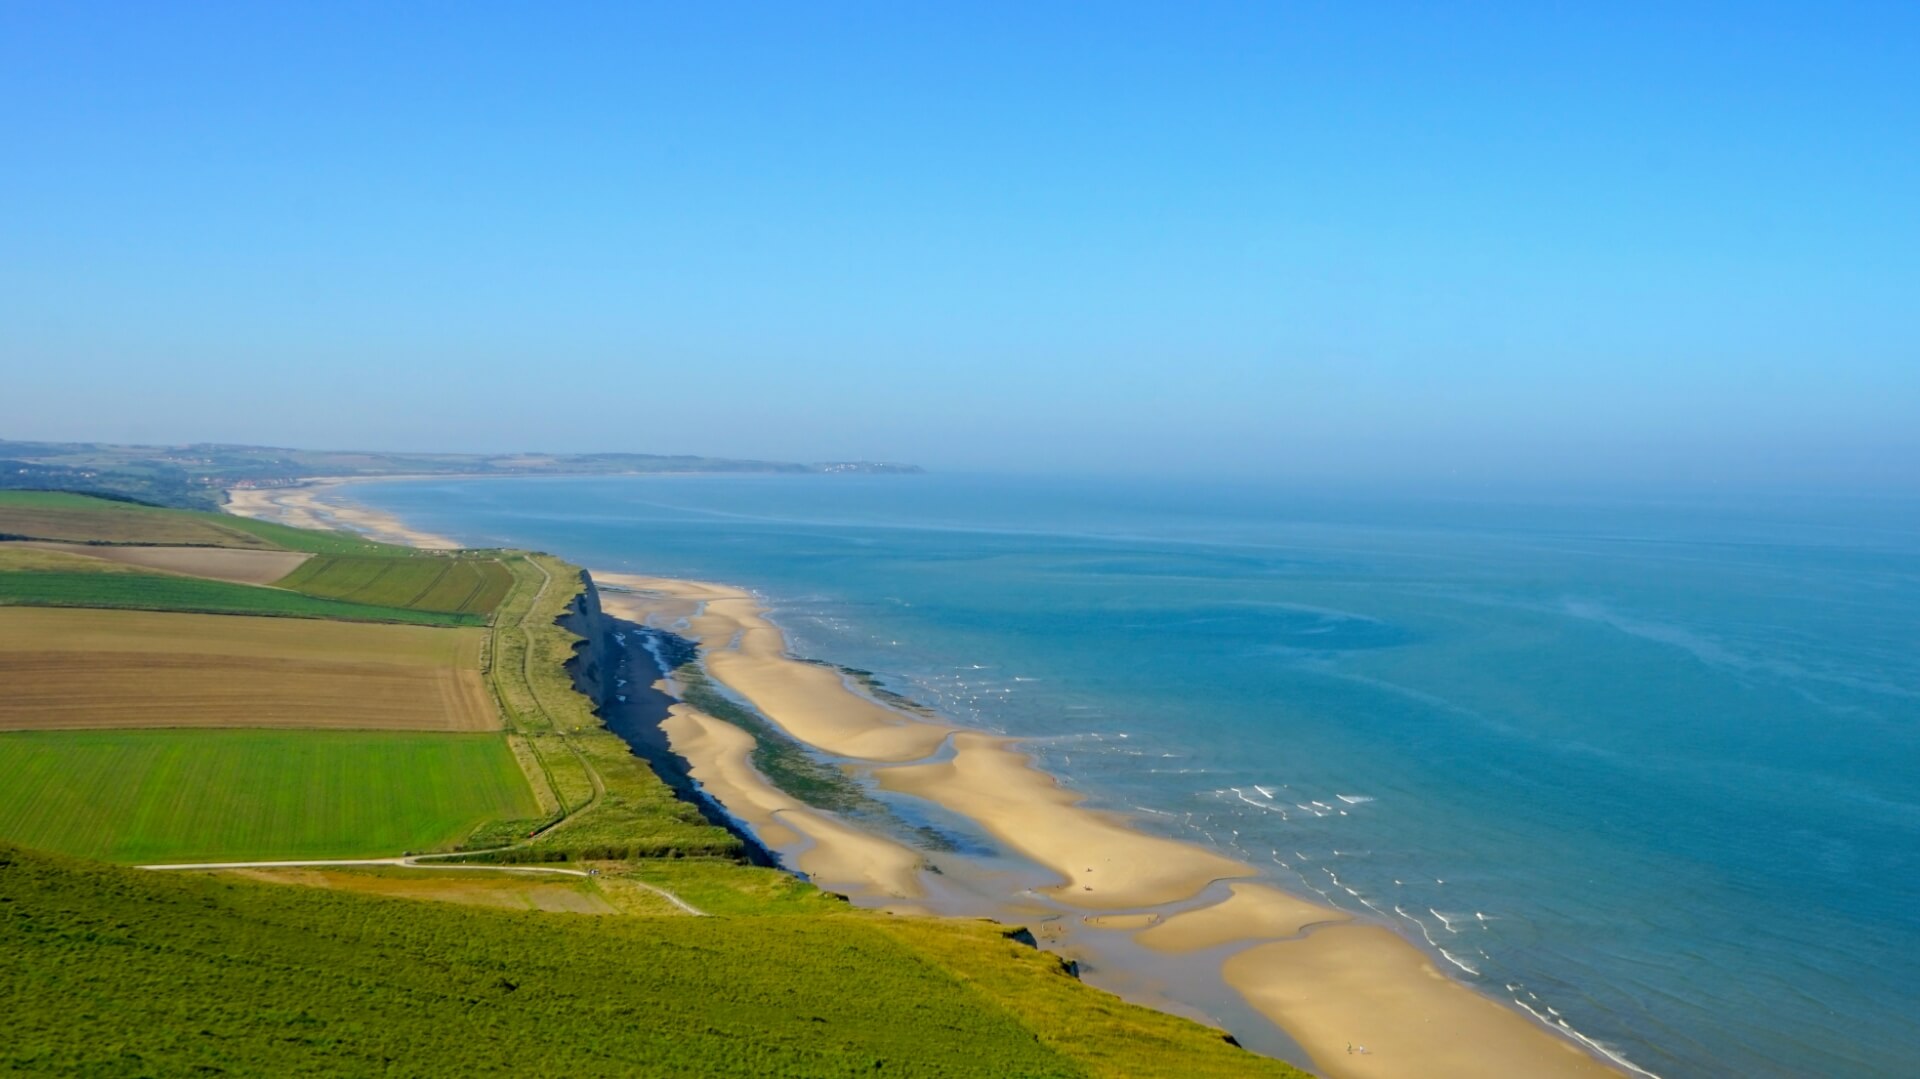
1251	911
1103	863
837	855
1365	986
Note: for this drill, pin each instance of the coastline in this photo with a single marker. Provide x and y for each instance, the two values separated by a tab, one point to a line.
299	505
1140	904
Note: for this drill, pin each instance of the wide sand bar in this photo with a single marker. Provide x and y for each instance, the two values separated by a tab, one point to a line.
1106	864
1252	911
1365	986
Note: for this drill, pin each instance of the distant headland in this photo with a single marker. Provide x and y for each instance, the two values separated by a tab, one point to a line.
196	475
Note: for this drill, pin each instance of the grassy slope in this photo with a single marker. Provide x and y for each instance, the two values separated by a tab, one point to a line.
119	972
157	592
452	585
82	519
206	795
248	977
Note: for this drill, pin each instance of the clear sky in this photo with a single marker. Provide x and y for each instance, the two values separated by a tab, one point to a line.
1531	241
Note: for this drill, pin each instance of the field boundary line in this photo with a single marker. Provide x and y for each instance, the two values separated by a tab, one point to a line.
418	861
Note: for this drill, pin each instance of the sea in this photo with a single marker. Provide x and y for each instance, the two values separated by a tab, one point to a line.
1646	766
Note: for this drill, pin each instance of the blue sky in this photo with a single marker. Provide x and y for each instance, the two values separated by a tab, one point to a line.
1532	242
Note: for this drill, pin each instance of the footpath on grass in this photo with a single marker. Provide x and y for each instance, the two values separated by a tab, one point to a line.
423	861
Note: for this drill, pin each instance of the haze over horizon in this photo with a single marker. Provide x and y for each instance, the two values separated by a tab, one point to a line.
1318	243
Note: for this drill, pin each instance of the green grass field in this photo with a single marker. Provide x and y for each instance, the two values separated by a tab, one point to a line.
452	585
54	515
113	588
120	972
209	795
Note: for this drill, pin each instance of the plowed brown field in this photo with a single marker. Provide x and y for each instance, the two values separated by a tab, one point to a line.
217	563
83	669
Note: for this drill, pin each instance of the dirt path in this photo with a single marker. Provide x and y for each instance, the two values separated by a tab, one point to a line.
418	861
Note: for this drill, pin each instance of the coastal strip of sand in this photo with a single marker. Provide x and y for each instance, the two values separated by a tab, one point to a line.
1401	1015
813	702
1104	864
840	856
301	507
1399	1012
1366	1003
1359	998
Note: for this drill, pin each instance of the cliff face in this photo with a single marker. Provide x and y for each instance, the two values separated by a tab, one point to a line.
613	667
595	657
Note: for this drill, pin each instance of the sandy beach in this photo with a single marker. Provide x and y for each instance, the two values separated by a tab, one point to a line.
748	653
840	856
301	507
1328	981
1366	987
1103	863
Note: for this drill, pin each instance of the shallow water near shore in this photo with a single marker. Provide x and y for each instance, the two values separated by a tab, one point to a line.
1651	768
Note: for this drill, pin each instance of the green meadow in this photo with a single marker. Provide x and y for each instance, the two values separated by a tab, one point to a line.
77	518
445	583
212	795
111	587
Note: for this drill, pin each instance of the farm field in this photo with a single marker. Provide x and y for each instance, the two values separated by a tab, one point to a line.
48	515
239	565
455	585
68	690
32	556
211	795
157	592
74	518
48	628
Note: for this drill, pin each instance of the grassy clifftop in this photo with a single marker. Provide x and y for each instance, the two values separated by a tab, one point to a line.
122	972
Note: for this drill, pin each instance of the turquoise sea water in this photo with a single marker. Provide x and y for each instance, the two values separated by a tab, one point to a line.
1652	767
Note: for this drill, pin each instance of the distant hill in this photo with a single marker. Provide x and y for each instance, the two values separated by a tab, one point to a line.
193	475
